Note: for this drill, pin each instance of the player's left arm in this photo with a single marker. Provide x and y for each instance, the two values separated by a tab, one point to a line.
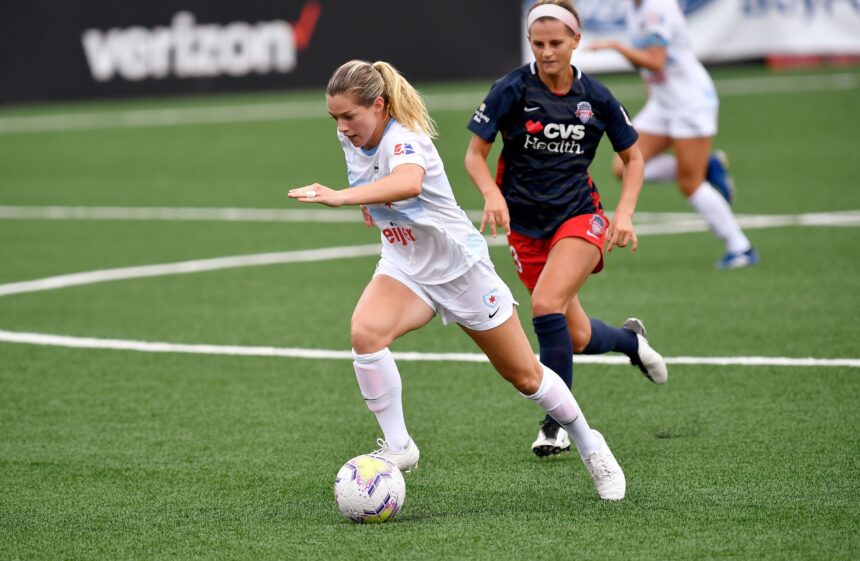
621	232
652	57
404	182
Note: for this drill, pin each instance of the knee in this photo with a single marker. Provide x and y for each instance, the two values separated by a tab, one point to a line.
688	182
366	338
543	305
527	380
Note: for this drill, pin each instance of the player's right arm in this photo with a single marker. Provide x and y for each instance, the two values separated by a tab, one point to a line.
491	117
495	207
404	182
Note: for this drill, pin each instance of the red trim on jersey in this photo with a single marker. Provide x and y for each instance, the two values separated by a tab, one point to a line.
500	170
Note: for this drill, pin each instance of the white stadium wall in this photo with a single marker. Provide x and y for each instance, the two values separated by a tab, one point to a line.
728	30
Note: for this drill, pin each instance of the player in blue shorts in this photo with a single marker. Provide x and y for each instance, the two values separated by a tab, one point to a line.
551	117
433	261
681	115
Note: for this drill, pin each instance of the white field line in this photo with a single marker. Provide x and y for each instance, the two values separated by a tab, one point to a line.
685	224
295	110
178	214
285	352
183	267
648	223
682	223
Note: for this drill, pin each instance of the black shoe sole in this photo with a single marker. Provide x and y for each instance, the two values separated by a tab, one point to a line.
547	450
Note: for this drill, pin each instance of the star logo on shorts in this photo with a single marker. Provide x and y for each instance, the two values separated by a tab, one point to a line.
491	300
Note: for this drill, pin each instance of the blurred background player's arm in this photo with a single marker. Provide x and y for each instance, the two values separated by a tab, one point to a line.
653	57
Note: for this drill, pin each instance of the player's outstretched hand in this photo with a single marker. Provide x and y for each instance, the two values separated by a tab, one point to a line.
621	233
496	214
317	193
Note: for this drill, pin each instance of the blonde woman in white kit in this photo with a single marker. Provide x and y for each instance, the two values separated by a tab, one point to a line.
433	261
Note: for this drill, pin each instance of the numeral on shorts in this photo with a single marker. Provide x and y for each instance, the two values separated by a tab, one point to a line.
516	259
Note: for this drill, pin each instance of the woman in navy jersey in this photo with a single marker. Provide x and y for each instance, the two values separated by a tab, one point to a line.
433	261
552	117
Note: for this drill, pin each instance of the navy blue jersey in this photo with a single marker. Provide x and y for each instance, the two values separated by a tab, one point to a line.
549	142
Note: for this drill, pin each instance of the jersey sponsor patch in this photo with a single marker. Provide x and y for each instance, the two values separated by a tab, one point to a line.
403	149
584	112
398	234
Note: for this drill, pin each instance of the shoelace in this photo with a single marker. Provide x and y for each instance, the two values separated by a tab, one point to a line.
600	467
383	446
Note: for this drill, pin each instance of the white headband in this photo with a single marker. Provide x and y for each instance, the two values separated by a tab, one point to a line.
556	12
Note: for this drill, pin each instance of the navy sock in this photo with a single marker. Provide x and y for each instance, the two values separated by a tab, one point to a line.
556	349
605	338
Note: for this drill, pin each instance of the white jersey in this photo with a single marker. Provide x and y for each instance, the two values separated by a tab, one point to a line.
683	83
428	237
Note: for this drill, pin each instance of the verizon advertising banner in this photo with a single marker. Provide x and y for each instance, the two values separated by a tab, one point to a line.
52	50
726	30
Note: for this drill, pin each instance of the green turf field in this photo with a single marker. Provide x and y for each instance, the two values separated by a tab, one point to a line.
117	454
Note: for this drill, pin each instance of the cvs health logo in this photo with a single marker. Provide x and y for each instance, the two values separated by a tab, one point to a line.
187	49
554	137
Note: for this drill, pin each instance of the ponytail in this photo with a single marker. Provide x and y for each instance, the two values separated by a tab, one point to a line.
404	102
368	81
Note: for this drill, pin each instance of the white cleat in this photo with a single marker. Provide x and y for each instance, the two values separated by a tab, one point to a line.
551	440
605	472
650	362
406	460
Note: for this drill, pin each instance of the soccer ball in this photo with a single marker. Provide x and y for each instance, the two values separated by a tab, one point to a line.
369	489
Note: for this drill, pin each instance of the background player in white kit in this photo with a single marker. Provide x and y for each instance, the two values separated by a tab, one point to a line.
433	261
681	113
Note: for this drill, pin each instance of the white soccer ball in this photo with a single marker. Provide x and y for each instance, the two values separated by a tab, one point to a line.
369	489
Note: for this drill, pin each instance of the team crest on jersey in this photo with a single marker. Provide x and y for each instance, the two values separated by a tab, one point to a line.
583	111
403	149
598	225
491	299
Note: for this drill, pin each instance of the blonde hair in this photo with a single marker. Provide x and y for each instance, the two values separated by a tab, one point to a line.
566	4
366	82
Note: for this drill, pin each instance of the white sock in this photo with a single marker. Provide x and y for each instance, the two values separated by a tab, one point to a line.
718	214
662	168
555	398
379	381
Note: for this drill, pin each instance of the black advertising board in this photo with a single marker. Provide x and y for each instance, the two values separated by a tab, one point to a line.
100	48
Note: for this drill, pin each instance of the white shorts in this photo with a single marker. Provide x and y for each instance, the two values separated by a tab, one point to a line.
677	123
477	299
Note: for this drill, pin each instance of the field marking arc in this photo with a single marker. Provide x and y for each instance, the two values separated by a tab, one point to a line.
201	265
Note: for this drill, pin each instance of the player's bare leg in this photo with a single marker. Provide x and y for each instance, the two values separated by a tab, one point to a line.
693	155
659	167
568	265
